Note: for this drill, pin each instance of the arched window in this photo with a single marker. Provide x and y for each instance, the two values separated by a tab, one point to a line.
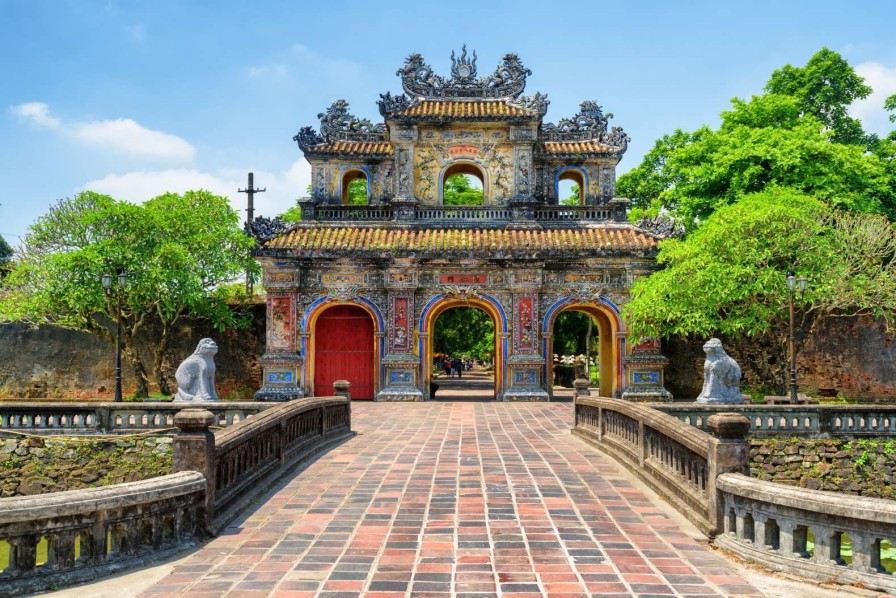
463	184
570	187
355	188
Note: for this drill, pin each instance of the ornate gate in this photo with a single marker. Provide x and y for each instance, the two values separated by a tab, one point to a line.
344	350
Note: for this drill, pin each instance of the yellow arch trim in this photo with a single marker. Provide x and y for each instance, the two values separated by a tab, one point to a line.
610	345
429	325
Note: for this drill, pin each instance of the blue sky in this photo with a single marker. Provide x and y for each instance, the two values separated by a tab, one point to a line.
137	98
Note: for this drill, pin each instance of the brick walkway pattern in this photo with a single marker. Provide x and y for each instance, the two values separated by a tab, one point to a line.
456	499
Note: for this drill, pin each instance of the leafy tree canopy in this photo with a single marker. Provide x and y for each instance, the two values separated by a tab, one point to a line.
177	250
797	135
825	88
735	265
465	332
459	191
356	195
573	199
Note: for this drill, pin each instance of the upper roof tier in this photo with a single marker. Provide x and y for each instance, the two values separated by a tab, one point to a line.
463	97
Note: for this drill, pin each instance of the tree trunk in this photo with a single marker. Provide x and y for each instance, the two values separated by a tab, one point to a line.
588	349
141	380
159	362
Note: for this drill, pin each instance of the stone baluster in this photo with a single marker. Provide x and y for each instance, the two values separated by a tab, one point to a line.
827	545
865	553
341	389
730	453
193	449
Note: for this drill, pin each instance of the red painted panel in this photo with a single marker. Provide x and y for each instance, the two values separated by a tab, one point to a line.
343	350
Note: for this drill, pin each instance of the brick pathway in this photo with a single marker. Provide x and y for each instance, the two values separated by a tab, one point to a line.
470	499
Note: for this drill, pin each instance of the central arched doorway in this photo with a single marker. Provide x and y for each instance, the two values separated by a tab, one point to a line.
463	184
439	305
463	341
343	346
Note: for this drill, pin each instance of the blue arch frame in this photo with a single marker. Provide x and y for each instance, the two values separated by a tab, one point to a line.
584	174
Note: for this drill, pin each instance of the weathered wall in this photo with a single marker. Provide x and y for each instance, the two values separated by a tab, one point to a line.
855	357
31	465
864	467
47	361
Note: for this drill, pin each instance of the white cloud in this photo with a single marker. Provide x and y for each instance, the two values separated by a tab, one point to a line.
130	137
38	113
123	134
137	33
871	110
282	189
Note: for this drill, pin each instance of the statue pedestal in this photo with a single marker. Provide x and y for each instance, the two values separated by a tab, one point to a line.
644	373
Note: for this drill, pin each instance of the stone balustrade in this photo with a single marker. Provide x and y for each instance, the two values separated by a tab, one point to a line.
112	418
770	523
242	461
676	460
67	537
449	214
840	421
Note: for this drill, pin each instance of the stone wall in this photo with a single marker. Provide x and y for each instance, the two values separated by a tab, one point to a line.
855	357
47	361
33	465
864	467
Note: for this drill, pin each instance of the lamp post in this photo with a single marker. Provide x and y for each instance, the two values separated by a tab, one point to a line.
107	286
792	284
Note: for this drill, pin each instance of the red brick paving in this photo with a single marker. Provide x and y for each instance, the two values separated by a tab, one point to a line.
465	499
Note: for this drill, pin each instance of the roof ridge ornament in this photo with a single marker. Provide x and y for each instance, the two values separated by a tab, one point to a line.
589	124
338	124
420	82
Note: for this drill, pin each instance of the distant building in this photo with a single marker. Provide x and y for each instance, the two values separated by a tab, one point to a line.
354	290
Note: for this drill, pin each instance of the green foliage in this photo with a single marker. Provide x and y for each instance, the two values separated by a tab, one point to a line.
825	88
459	191
573	199
293	214
177	250
570	329
465	332
797	135
735	266
356	195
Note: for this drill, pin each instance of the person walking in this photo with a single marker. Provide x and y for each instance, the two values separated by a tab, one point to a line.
458	366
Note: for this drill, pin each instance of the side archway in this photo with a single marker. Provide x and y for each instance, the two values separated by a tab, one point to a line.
576	176
426	325
355	356
611	330
351	182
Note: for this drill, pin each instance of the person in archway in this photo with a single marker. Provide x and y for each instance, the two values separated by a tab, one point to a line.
458	366
446	365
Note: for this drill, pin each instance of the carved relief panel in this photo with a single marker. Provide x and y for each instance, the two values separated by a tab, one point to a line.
281	323
525	327
401	319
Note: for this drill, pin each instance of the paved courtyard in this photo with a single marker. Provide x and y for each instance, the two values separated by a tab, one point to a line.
456	498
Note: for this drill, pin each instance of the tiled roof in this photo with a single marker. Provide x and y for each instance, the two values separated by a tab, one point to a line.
604	239
381	148
469	109
578	147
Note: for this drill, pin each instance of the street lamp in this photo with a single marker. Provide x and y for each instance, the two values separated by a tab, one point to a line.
107	286
793	283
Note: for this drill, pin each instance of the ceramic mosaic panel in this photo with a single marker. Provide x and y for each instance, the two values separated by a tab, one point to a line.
525	317
645	378
281	323
402	309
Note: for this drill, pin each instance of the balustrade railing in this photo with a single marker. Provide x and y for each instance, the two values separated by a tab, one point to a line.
80	534
338	213
443	213
241	461
678	461
772	524
845	421
112	418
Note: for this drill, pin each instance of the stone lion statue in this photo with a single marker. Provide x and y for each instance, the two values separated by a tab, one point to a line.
721	376
196	375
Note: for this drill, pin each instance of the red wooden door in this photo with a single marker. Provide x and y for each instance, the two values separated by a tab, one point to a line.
343	350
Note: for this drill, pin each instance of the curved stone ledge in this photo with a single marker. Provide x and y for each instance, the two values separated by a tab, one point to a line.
94	532
768	523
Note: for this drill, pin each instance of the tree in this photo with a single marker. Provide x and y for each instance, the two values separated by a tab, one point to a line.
825	88
6	254
177	251
797	135
357	192
460	192
764	142
735	266
465	331
573	199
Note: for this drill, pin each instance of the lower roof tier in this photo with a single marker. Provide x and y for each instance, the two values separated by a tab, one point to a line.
501	243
